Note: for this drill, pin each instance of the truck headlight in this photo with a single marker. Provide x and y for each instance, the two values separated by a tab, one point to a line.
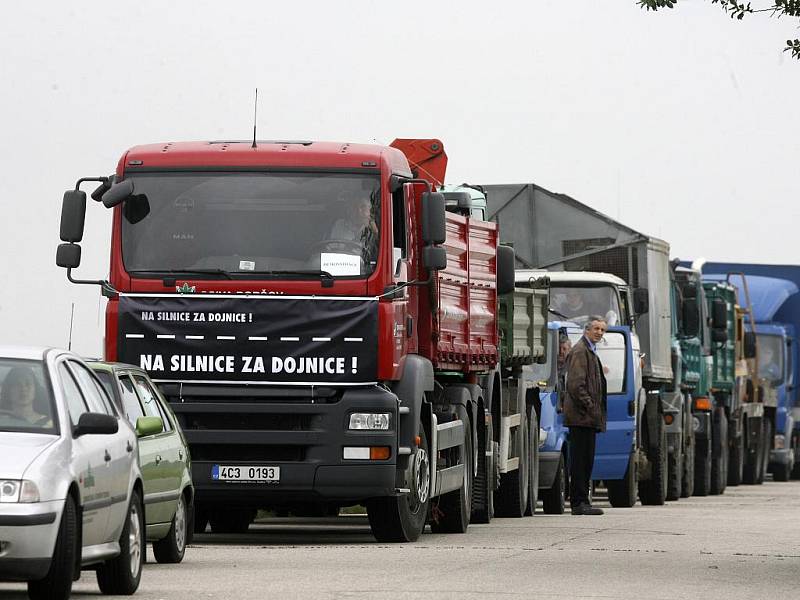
780	442
370	421
12	490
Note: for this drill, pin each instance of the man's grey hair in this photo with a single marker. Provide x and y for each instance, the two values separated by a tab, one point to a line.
592	319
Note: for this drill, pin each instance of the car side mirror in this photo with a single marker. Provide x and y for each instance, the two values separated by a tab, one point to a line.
434	258
149	426
749	344
641	301
73	216
719	314
434	227
118	193
505	270
97	424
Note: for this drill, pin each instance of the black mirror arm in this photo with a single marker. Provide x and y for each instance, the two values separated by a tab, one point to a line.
103	180
105	287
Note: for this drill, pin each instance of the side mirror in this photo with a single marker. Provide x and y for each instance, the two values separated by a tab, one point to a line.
68	256
434	258
434	228
719	336
149	426
641	301
749	344
458	202
96	423
691	317
73	216
505	270
719	314
118	193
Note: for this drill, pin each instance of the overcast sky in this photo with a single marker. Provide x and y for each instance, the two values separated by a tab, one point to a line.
681	124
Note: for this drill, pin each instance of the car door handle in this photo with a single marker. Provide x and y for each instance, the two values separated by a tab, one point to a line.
129	447
158	458
107	456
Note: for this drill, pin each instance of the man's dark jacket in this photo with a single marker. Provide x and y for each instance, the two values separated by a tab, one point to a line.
585	403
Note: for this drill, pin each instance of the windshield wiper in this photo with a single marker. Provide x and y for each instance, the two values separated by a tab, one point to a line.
558	314
222	272
324	275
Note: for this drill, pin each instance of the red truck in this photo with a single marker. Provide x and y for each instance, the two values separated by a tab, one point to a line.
324	329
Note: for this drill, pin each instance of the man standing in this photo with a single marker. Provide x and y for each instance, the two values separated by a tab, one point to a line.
584	412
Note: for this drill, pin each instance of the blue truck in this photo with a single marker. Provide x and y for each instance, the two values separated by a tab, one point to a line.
774	292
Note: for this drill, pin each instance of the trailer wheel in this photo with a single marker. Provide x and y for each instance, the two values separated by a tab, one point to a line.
719	456
736	461
702	467
533	462
687	480
455	507
554	499
511	499
622	492
653	491
402	518
753	458
675	472
483	486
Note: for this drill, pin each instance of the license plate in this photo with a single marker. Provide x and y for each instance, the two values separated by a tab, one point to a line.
253	473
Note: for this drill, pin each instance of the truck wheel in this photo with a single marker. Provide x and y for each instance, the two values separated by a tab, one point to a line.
675	472
57	584
796	469
687	481
736	461
753	459
171	548
455	507
781	472
554	499
653	492
702	467
766	446
402	518
121	575
533	463
231	520
511	499
483	486
719	463
622	492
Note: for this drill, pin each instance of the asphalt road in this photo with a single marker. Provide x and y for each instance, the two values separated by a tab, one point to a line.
744	544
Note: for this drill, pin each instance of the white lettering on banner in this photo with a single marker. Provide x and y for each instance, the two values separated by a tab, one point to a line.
308	364
151	362
190	363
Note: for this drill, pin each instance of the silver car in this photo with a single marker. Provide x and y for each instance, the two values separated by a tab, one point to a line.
70	482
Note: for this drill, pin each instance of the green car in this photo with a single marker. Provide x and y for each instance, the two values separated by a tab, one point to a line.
163	454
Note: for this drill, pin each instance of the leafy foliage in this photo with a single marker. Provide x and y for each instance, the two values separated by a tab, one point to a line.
737	10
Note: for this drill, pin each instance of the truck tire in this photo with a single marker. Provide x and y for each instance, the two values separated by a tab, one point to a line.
753	459
57	584
766	446
796	469
687	481
736	460
231	520
533	462
484	484
622	492
781	473
402	518
171	548
675	472
653	491
702	467
454	508
121	574
719	463
200	519
511	499
554	499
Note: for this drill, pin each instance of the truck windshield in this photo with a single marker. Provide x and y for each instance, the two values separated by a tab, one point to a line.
577	304
612	352
26	402
770	357
218	224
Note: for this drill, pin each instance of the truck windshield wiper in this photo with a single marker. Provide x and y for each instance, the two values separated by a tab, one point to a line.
324	275
222	272
558	314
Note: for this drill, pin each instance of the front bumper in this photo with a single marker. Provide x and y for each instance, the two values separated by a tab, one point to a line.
28	535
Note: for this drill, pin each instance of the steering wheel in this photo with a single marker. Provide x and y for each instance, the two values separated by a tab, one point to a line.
348	246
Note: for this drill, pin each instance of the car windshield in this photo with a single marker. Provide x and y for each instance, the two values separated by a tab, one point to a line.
770	357
579	303
26	398
235	224
612	351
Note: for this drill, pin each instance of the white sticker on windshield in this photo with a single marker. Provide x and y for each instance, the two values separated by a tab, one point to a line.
247	265
340	264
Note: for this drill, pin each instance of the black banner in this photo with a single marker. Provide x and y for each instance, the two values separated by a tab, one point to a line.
254	339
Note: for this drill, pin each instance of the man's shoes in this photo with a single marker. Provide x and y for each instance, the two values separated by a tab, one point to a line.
586	509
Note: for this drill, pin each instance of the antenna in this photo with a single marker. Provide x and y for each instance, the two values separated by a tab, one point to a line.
71	318
255	115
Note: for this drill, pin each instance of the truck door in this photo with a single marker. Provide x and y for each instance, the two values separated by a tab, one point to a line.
616	351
